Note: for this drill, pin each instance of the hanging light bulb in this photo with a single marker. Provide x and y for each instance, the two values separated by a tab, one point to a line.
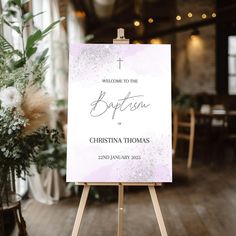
195	33
178	18
150	20
136	23
190	14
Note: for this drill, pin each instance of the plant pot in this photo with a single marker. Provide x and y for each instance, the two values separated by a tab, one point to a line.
8	200
9	222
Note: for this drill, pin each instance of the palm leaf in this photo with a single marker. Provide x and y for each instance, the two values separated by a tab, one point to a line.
5	46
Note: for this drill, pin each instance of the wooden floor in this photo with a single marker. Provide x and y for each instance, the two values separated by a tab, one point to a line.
200	202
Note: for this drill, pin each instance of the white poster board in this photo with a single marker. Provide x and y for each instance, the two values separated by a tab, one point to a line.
119	113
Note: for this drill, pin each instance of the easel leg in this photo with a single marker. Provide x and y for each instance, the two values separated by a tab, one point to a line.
120	210
157	210
80	211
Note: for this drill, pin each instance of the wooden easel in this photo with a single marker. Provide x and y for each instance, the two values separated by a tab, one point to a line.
151	186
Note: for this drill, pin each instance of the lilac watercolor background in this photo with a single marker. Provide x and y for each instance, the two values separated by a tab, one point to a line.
89	65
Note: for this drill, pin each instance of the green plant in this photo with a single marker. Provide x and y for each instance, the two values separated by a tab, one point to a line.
24	106
18	19
53	154
184	101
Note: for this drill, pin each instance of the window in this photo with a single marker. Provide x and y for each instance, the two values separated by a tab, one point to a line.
21	186
232	65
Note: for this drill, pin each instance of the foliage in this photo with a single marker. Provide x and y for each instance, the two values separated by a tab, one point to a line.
17	151
21	71
28	62
184	101
53	154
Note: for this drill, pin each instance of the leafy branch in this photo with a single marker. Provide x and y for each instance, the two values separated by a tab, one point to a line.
17	18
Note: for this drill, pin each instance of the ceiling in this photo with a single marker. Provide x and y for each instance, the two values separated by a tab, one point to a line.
103	17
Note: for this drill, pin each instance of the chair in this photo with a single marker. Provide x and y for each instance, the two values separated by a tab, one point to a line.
184	128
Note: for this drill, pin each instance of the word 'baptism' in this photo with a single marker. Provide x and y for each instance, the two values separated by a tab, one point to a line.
101	106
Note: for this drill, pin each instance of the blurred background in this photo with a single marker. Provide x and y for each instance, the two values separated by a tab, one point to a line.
202	198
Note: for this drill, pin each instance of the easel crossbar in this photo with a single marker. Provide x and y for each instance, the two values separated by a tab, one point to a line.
116	184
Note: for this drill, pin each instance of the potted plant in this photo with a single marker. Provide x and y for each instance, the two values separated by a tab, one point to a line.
24	105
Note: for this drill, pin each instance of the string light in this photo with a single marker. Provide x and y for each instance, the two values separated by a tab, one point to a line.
136	23
190	14
178	18
150	20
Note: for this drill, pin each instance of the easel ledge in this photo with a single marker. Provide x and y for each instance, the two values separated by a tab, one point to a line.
151	186
117	184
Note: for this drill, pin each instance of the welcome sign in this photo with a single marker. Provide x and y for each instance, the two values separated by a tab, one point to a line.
119	113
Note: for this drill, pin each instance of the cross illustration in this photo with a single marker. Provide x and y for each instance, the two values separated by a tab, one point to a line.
119	63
